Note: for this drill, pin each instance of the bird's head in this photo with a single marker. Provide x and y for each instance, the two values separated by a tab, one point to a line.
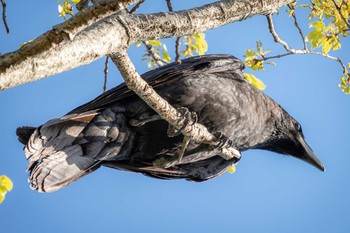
288	138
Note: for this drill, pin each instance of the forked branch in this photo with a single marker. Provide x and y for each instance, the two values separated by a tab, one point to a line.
293	51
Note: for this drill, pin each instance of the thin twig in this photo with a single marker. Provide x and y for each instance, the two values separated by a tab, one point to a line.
153	54
302	51
292	51
193	130
178	39
132	10
177	50
296	24
275	36
105	71
170	7
3	3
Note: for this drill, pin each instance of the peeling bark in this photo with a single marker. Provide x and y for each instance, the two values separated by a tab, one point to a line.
89	36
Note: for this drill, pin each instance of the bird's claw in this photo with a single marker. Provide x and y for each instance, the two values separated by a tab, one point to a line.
223	141
187	117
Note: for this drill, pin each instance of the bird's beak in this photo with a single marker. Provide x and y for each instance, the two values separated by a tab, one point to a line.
309	155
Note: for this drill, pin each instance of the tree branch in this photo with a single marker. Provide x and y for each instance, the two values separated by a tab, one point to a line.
74	44
177	42
3	3
292	51
153	54
192	130
275	36
131	11
105	72
296	24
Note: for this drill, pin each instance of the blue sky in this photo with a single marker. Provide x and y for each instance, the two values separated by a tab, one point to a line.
268	192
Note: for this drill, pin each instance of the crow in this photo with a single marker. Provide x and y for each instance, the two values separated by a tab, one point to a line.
118	130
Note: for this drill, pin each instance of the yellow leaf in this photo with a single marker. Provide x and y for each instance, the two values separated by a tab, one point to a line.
318	25
232	169
155	43
254	81
315	38
2	197
75	1
6	182
166	57
326	46
249	54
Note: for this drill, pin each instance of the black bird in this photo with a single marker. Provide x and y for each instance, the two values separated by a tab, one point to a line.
117	129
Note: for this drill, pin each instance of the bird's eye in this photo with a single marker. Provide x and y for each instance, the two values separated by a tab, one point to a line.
299	127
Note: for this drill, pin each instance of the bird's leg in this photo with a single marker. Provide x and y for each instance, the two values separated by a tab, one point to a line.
140	122
184	145
187	117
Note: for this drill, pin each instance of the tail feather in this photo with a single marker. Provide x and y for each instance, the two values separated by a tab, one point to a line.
61	169
68	148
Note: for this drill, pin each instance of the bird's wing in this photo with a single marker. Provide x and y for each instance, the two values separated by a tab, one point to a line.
215	63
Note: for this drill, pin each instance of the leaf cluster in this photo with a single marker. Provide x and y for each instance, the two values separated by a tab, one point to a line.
195	43
157	52
333	23
255	58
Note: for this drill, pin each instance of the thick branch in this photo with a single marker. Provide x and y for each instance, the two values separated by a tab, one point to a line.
193	130
62	50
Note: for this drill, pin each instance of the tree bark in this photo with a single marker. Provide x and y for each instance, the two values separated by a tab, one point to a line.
87	37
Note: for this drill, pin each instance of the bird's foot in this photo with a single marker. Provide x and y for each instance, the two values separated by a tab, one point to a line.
187	117
225	142
140	122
